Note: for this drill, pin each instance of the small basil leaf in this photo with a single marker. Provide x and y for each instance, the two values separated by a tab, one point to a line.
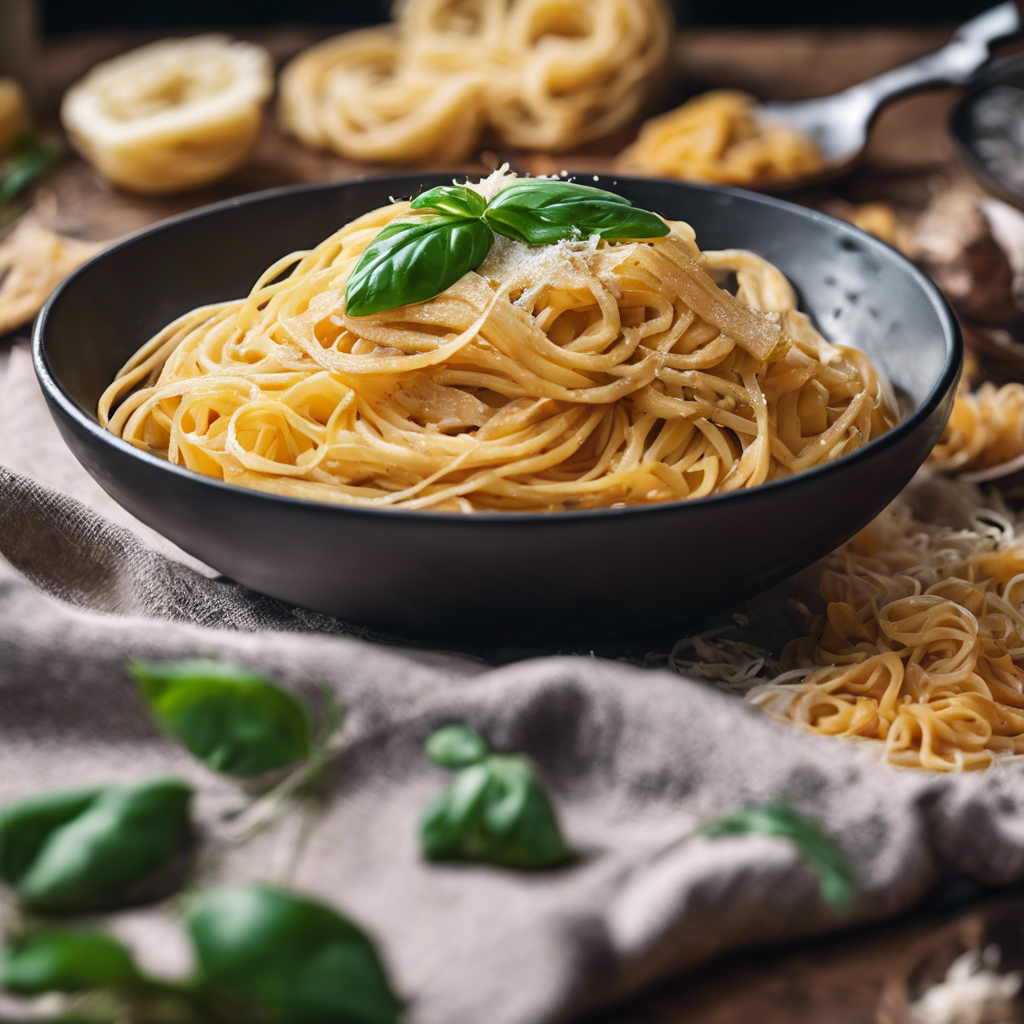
545	212
415	260
101	856
455	199
779	819
65	960
235	721
455	746
297	960
494	812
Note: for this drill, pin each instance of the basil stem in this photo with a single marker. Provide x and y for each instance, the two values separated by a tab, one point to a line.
779	819
91	849
415	260
496	810
545	212
233	720
65	960
455	199
298	960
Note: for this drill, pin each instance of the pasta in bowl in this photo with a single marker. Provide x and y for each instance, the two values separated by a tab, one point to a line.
659	476
589	373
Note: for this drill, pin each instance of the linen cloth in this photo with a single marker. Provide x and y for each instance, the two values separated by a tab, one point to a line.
635	759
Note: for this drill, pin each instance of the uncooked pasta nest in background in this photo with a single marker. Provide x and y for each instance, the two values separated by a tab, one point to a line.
718	137
540	74
173	115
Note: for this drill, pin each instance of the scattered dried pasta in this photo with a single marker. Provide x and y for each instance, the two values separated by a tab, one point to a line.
921	645
33	261
718	137
541	74
985	429
173	115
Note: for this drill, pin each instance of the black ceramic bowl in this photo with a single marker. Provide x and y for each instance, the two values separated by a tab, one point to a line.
517	576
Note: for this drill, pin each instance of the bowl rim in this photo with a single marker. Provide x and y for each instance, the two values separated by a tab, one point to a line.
952	337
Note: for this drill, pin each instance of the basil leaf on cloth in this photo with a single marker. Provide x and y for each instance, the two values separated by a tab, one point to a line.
65	960
295	959
545	212
779	819
415	260
455	746
233	720
92	849
496	810
455	199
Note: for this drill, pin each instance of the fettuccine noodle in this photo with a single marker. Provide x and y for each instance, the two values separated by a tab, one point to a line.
579	375
542	74
718	137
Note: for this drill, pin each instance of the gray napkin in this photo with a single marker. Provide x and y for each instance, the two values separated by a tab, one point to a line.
635	760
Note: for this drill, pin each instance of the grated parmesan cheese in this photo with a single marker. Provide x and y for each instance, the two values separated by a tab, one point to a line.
972	992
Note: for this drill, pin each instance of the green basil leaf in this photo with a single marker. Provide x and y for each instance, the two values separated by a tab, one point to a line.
65	960
235	721
295	959
455	746
415	260
495	812
26	825
544	212
455	199
779	819
100	856
32	157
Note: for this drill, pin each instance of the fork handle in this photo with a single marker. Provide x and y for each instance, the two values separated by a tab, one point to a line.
954	64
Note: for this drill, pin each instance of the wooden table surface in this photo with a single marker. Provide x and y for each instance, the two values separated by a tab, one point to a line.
829	980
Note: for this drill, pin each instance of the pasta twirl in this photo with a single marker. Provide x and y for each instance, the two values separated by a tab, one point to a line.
574	375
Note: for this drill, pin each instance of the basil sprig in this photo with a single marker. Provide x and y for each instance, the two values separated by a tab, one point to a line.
298	960
93	848
233	720
496	810
415	260
779	819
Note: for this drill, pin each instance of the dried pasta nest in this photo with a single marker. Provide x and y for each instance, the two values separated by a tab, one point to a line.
173	115
718	137
542	74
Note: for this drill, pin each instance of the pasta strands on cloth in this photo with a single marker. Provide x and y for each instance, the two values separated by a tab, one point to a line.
985	429
541	74
634	760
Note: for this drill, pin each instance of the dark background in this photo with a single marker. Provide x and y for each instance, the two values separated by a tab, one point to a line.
76	15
